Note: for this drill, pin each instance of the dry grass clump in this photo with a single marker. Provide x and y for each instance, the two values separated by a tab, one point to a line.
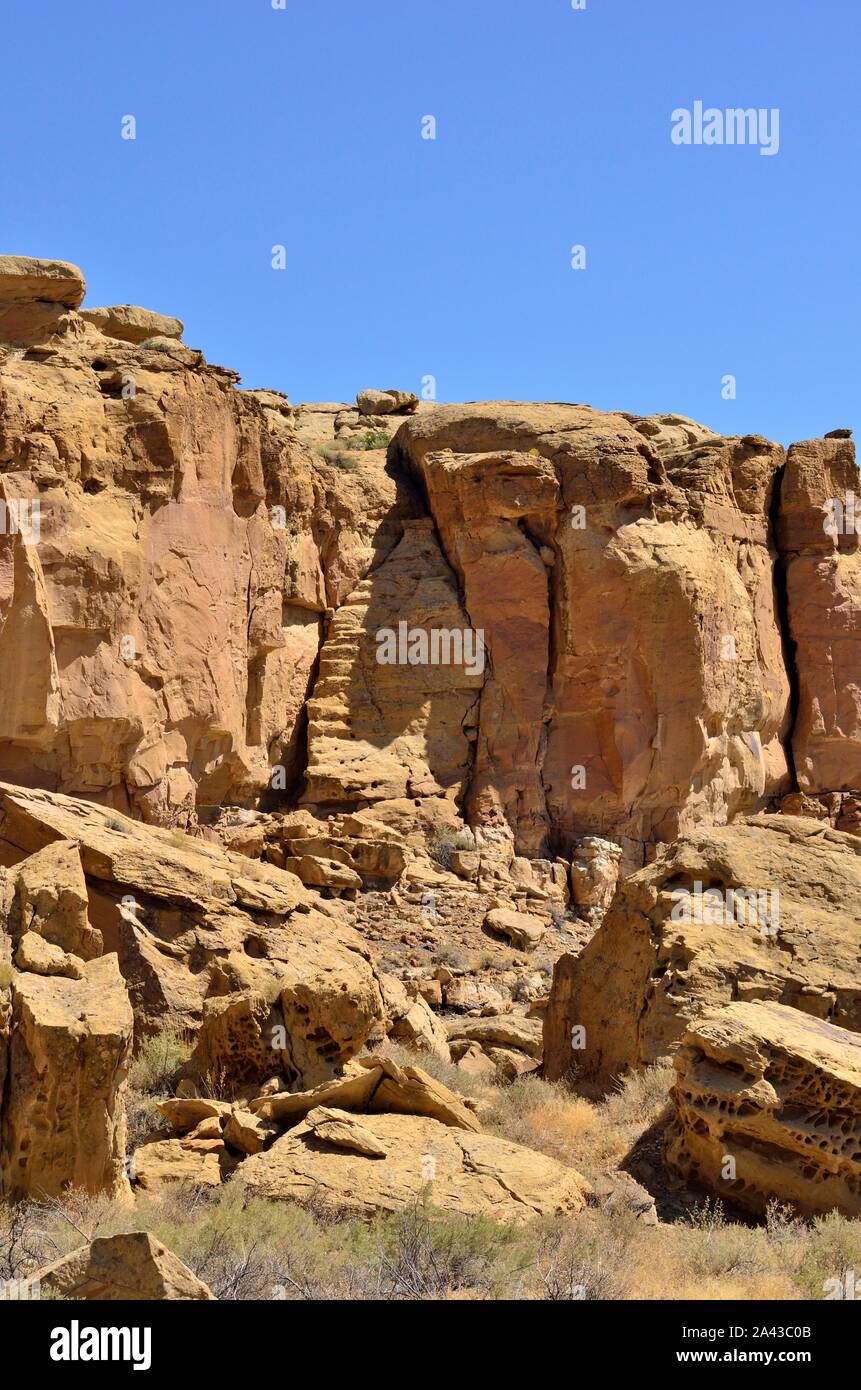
595	1138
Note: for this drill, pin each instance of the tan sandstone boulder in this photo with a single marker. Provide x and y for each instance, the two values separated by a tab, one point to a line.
594	874
373	1084
412	1021
523	930
166	1163
38	955
459	1171
344	1131
389	402
767	1107
63	1117
770	910
120	1268
513	1031
52	899
24	278
36	297
248	1133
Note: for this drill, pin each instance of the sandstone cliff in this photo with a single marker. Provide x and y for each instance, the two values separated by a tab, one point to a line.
668	627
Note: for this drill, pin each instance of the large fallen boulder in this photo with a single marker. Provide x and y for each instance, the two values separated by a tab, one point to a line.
514	1031
768	909
129	1267
189	1162
388	402
411	1020
62	1123
386	1161
593	874
52	900
523	930
767	1106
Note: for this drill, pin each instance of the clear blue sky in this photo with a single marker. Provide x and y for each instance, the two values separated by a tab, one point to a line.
451	257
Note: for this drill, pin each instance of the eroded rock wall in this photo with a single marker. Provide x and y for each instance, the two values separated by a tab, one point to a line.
669	634
159	631
623	572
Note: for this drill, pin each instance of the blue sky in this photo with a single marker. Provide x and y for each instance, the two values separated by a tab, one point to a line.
408	257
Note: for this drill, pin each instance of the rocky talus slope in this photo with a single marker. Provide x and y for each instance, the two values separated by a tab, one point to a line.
526	737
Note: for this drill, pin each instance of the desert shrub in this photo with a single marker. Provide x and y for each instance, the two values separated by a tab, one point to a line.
22	1246
373	439
159	1058
153	1074
722	1247
582	1260
344	461
250	1248
639	1097
425	1254
707	1215
445	842
594	1137
452	956
340	453
827	1248
542	1115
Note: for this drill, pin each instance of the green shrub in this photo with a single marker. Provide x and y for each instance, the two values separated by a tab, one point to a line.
154	1068
374	439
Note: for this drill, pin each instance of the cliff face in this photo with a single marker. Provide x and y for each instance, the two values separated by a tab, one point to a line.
669	634
158	638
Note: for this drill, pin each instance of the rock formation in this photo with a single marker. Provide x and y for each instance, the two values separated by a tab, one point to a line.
334	729
767	1107
375	1139
62	1121
160	635
129	1267
385	1162
208	940
770	909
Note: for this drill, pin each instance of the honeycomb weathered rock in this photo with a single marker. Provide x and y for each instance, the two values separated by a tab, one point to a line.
767	1106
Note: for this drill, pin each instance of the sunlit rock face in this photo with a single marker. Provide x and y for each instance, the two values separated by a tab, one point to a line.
622	626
